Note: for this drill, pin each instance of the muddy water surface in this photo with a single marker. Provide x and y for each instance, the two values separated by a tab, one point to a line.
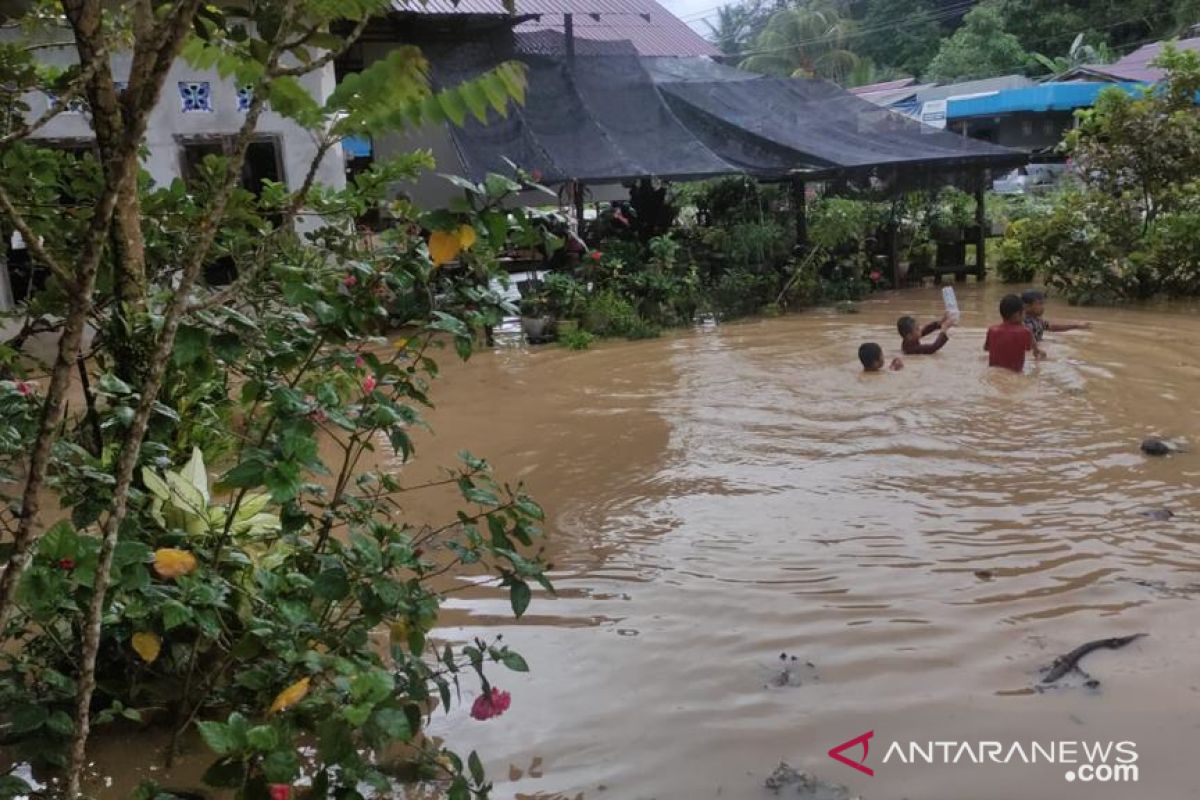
925	540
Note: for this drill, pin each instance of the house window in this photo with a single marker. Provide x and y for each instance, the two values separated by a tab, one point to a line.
245	96
195	96
1027	127
264	159
1048	127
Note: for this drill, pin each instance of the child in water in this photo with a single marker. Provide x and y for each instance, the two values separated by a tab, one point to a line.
871	356
1008	342
1035	308
911	335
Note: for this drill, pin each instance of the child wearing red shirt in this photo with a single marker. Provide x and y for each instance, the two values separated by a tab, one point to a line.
1007	343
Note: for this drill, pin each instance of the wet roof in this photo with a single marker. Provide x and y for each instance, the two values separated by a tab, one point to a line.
1136	65
652	29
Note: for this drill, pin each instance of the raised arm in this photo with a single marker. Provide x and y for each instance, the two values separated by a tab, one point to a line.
1059	327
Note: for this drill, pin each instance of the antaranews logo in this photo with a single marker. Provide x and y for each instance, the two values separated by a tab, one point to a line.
1086	762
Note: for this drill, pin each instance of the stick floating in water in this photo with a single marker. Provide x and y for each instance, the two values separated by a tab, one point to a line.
1064	664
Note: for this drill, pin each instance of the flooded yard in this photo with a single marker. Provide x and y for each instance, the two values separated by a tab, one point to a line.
761	553
921	542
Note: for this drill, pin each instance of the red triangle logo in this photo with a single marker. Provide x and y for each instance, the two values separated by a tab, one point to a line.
861	764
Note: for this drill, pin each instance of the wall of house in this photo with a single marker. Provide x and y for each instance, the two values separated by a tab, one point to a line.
1031	131
173	122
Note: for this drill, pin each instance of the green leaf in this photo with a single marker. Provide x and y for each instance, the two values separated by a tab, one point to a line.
195	473
372	687
12	786
476	768
514	661
191	344
227	773
155	485
245	475
218	737
111	384
332	584
281	766
26	718
393	723
519	595
459	790
262	738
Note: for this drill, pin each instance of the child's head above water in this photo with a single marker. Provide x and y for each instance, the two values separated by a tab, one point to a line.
1012	309
871	356
906	326
1035	303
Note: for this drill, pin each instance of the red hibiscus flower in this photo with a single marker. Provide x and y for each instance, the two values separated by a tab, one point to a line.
490	705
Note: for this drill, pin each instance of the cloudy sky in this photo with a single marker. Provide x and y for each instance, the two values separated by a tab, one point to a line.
693	12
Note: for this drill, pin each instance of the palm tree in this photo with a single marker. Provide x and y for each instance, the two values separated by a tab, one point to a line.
733	29
1078	55
809	40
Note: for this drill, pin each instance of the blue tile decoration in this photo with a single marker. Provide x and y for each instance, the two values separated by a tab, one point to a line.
195	96
76	105
245	95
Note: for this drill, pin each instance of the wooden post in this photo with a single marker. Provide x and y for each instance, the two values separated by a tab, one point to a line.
569	35
579	204
893	253
981	233
800	200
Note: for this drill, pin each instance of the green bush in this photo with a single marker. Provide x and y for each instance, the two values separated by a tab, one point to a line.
740	293
609	314
1014	263
577	340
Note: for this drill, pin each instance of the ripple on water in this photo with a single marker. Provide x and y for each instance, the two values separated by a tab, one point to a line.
745	491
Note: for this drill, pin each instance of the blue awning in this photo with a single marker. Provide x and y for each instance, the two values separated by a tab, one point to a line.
1041	98
356	147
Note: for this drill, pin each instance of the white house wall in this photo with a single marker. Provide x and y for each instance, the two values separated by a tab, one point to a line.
169	124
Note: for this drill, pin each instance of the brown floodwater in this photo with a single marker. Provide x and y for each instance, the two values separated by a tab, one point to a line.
921	542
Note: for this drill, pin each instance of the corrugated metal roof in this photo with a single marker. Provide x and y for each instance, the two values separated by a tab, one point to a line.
652	29
1136	65
886	86
972	87
1044	97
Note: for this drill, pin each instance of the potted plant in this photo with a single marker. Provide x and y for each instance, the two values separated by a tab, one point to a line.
536	321
564	302
951	216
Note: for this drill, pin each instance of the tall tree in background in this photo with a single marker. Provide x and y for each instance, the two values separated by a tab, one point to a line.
981	48
904	34
1048	26
737	26
1079	54
812	40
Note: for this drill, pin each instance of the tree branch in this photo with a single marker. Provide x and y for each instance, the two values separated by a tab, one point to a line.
131	448
32	240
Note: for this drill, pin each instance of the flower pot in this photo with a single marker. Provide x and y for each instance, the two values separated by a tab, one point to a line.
535	329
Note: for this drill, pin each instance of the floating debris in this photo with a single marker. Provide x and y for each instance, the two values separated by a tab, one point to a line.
1070	662
804	785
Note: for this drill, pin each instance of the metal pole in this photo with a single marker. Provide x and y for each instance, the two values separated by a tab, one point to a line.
569	34
980	221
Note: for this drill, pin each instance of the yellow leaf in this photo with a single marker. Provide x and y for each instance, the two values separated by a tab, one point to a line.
290	696
466	236
444	246
399	632
401	344
170	562
147	645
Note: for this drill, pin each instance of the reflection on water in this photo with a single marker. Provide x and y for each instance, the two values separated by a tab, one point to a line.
926	539
920	542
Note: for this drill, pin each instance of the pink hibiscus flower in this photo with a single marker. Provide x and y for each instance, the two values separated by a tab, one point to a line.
490	705
349	281
369	383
